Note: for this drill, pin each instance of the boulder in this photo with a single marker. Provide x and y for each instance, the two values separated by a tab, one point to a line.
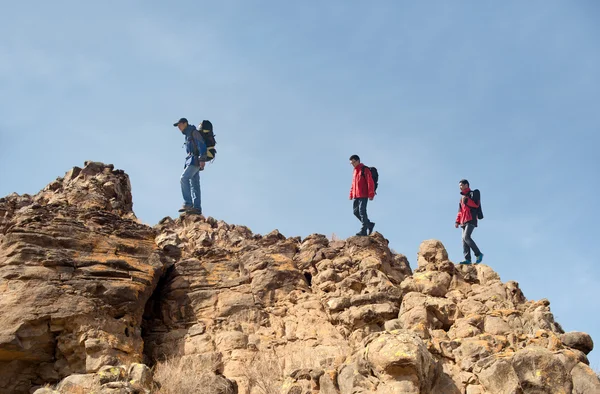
578	340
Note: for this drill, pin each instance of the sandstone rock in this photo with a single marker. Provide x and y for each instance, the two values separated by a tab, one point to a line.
230	340
464	328
420	313
401	356
496	325
538	369
78	382
76	270
109	374
353	378
475	389
431	252
432	283
585	380
498	376
45	390
327	383
140	373
471	350
85	288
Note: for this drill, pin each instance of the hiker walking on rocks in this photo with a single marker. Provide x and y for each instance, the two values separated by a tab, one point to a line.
362	190
468	212
190	178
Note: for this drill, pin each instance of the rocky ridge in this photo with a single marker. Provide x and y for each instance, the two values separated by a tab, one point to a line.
89	296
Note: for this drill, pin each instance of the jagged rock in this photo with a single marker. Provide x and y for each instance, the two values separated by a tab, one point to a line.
475	389
585	380
499	377
432	283
109	374
401	360
432	252
87	293
140	373
422	313
78	382
538	369
45	390
76	269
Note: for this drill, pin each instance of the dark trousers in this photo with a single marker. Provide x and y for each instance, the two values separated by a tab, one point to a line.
360	211
468	242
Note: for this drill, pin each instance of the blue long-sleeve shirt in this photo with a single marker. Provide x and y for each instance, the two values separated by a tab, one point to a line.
195	147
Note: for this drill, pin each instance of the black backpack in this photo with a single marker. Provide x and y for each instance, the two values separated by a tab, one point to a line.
374	175
476	196
206	130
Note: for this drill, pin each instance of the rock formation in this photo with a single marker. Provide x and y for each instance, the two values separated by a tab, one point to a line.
89	297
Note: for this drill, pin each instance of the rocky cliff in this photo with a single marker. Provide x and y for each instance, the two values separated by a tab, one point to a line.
89	297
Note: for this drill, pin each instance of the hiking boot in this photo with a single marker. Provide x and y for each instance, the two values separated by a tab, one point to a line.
479	258
465	262
362	233
371	226
185	208
194	211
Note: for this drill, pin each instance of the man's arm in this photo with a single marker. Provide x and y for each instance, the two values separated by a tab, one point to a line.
370	183
470	202
458	216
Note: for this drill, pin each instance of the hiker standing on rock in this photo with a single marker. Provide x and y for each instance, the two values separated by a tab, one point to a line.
190	179
468	211
362	190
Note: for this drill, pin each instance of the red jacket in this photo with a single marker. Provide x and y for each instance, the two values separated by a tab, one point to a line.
362	183
467	211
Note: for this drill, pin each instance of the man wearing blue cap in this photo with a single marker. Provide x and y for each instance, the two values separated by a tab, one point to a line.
190	179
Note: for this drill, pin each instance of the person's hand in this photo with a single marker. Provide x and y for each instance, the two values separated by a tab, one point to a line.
455	225
371	198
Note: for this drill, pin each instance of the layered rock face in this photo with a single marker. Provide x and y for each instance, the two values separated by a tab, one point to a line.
350	317
76	270
84	286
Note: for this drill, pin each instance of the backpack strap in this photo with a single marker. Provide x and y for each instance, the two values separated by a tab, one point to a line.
194	144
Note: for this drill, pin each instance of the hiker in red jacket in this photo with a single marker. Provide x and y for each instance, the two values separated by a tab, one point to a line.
467	219
362	190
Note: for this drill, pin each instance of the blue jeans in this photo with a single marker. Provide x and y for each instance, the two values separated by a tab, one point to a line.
360	211
190	186
468	243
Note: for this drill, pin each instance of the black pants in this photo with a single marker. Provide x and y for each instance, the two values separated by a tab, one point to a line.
360	211
468	242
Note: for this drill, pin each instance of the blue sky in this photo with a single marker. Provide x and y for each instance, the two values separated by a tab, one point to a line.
503	94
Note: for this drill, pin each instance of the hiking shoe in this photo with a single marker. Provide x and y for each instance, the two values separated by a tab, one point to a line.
185	208
465	262
194	211
362	233
479	258
371	227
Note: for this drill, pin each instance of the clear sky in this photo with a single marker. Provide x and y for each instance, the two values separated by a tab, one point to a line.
500	93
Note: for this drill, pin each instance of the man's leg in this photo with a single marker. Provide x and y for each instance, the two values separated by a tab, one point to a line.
186	191
468	242
196	194
363	213
355	206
